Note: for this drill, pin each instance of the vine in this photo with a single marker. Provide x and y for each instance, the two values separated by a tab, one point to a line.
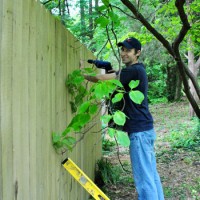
87	102
86	105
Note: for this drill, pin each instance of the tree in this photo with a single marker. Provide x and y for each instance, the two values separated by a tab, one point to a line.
193	63
112	21
174	48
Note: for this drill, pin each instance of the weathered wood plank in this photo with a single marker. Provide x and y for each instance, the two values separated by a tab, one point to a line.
6	60
32	100
37	53
1	175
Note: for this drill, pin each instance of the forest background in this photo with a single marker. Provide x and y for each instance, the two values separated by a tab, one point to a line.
169	33
101	24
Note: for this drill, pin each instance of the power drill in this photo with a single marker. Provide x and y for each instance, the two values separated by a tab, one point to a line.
102	65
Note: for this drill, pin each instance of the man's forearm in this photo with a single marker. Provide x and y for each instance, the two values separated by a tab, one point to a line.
100	77
91	78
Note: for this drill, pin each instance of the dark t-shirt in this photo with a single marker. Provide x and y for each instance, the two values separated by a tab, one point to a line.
138	116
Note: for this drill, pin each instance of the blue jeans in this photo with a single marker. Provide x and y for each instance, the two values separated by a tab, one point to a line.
146	177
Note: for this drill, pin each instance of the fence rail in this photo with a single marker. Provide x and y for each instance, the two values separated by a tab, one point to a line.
36	54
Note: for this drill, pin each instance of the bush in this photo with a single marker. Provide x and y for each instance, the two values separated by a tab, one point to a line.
107	173
185	137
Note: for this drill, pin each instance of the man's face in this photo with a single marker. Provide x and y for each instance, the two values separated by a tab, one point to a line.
129	56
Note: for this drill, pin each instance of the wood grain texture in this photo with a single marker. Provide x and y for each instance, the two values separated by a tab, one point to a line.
37	53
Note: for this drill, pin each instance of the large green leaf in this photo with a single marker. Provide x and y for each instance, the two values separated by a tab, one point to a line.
102	21
134	84
84	107
111	132
102	90
93	109
119	118
118	97
106	118
136	96
79	121
106	2
122	138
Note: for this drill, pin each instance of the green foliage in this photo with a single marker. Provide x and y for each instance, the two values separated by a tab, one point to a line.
107	144
119	118
163	16
76	89
117	98
122	138
85	105
157	83
185	137
135	95
107	172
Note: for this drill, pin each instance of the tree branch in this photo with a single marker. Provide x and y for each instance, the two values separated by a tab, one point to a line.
44	3
174	49
193	79
141	18
197	64
187	89
108	36
186	26
123	11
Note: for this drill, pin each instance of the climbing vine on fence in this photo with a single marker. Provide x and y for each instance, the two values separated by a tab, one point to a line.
86	105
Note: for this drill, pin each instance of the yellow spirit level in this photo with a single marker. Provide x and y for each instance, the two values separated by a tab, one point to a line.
82	178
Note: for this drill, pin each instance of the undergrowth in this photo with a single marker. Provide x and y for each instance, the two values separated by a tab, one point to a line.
186	137
178	157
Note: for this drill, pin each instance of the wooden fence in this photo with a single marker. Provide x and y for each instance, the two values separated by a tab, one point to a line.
36	54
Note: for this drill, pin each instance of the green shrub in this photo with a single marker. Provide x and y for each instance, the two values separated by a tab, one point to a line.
107	144
185	137
107	173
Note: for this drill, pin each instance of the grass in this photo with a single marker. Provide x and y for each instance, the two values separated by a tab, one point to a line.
178	156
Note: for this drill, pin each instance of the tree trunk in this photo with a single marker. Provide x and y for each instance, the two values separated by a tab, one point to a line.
171	82
83	25
191	65
174	48
194	69
174	83
96	5
179	82
91	26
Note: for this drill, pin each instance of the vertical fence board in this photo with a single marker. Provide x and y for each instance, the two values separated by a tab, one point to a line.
1	175
25	170
37	53
7	187
54	179
40	105
20	100
32	100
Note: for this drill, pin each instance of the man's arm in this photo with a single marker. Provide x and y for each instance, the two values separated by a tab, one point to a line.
100	77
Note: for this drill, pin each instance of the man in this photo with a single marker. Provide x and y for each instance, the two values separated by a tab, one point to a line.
139	123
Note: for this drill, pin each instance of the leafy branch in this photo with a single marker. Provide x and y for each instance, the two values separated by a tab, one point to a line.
174	48
85	108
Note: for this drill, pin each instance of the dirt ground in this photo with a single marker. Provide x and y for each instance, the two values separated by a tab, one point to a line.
179	169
